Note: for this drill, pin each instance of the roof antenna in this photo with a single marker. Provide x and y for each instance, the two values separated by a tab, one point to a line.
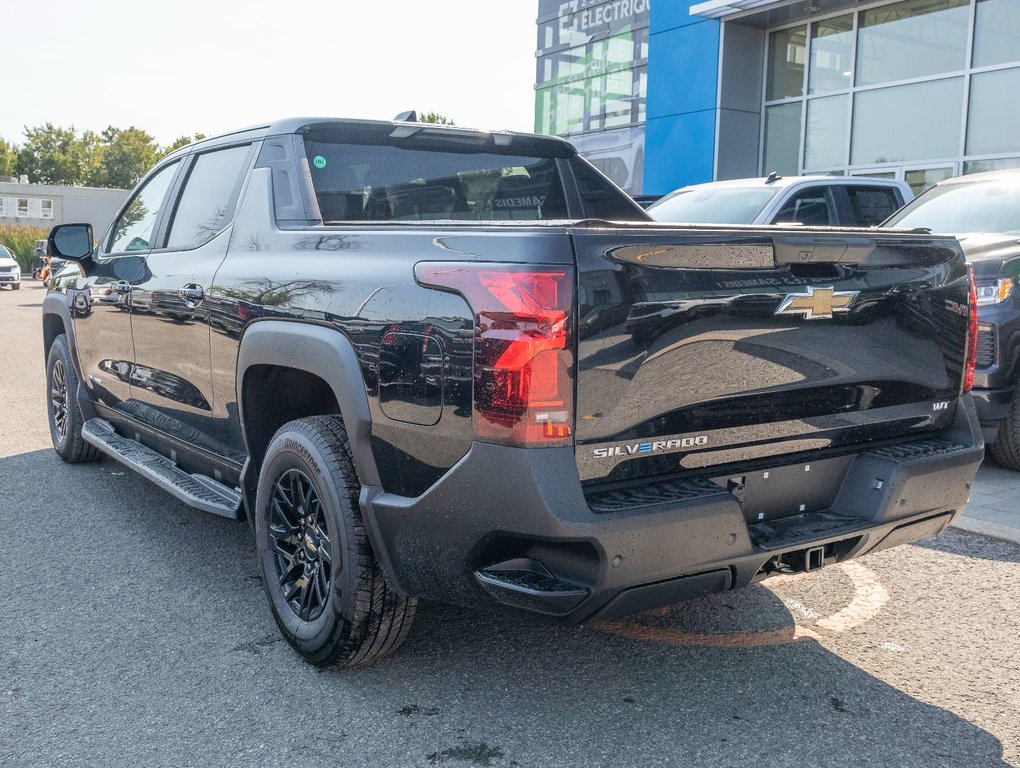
406	117
773	177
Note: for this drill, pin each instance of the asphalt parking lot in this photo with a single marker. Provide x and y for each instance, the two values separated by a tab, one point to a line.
133	631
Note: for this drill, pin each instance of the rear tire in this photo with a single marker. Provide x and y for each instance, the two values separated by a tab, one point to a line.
324	586
62	406
1006	448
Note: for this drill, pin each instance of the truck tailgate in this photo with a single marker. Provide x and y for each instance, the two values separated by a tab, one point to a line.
699	350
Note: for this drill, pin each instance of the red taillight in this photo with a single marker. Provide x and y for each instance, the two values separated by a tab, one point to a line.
523	358
972	336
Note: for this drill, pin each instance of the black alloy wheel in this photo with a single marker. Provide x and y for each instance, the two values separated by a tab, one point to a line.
62	408
299	538
58	399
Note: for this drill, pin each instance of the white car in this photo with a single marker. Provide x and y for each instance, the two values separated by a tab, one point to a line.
10	272
818	201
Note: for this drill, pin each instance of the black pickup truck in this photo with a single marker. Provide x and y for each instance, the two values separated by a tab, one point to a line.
427	362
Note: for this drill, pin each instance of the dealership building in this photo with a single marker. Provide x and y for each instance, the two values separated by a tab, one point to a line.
669	93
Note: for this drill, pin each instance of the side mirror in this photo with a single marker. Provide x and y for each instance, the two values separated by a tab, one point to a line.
70	241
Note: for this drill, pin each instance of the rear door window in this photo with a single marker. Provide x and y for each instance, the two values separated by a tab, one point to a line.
811	207
207	203
871	205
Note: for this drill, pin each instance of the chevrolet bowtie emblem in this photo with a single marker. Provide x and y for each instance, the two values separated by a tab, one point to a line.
817	303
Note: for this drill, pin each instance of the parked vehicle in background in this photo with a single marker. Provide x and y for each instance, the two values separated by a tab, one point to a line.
429	362
983	211
10	272
817	201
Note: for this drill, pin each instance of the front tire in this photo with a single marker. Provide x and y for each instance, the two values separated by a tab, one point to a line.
15	286
1006	448
62	406
324	586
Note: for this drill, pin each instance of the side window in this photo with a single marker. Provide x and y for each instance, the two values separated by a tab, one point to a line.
133	229
601	200
871	205
210	194
810	207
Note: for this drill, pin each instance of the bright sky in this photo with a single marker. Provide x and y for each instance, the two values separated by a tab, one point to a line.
210	66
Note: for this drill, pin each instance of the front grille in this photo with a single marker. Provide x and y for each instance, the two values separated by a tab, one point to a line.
986	346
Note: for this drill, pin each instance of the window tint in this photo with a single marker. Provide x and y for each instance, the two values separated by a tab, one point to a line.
133	229
601	200
810	207
368	182
209	197
871	205
981	206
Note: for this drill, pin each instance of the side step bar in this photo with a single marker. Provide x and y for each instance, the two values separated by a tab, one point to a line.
198	491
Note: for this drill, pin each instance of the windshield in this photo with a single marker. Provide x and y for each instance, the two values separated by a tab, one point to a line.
979	206
4	253
713	205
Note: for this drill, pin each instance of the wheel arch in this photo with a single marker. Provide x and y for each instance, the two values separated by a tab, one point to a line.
56	321
278	360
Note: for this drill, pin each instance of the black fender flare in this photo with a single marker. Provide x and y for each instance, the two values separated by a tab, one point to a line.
55	304
322	352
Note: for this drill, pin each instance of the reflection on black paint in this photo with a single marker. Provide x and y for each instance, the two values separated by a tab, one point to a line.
162	383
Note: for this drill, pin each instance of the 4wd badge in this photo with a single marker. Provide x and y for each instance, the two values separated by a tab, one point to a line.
817	303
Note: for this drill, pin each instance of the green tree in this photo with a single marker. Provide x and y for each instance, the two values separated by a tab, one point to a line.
181	141
53	155
124	156
8	158
436	118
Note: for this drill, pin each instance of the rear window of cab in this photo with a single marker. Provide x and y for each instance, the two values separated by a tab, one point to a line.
407	173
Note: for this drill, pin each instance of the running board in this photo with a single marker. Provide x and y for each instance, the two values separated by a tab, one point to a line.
198	491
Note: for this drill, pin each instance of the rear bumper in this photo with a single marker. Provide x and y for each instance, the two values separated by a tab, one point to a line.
512	526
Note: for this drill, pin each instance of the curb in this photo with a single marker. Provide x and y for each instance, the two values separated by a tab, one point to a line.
986	528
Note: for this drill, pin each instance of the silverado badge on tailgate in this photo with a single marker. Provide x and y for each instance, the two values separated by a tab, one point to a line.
817	303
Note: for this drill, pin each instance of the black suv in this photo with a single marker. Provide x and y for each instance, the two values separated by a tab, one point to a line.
983	211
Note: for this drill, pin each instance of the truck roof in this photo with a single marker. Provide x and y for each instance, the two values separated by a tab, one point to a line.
291	125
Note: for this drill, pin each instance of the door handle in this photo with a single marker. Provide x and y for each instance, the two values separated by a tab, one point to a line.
122	287
192	292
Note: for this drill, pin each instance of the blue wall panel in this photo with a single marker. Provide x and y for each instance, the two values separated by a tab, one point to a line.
679	150
683	81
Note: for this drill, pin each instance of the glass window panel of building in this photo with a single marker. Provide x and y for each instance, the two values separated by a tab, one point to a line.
782	138
993	121
996	32
907	123
825	132
592	87
912	39
787	56
920	122
831	51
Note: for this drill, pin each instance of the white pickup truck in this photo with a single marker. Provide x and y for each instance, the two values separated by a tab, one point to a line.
817	201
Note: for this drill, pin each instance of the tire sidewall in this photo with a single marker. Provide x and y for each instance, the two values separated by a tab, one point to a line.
292	449
59	351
